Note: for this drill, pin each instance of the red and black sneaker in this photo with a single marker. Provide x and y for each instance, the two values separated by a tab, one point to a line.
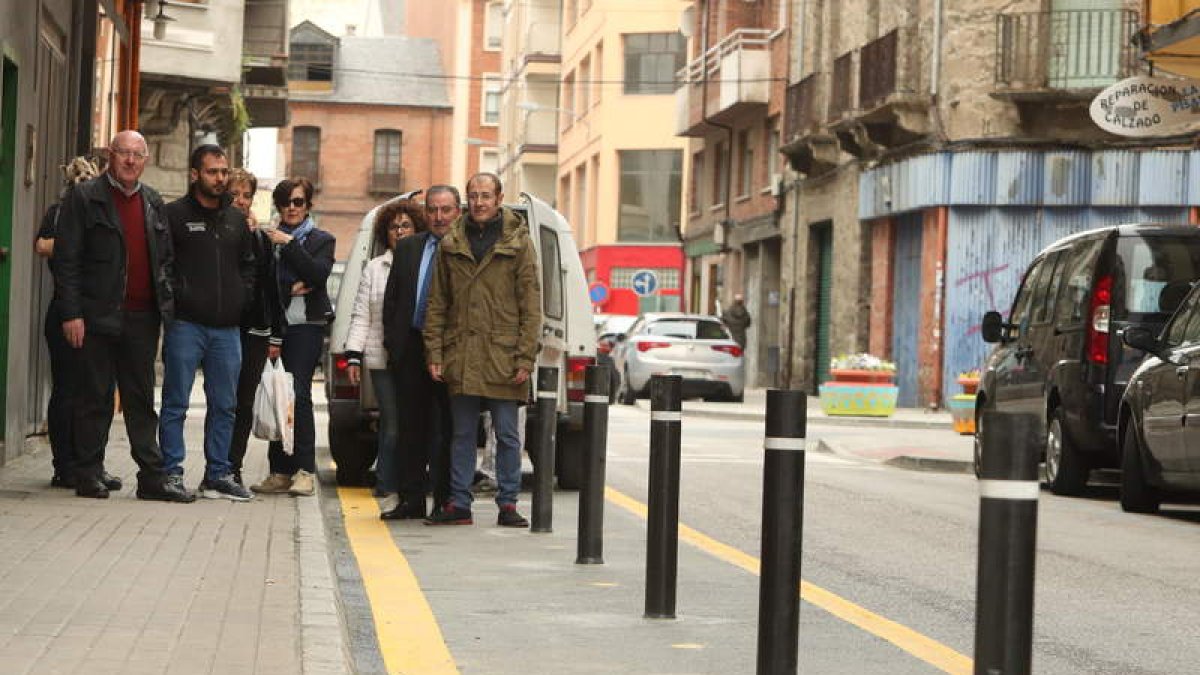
509	517
450	515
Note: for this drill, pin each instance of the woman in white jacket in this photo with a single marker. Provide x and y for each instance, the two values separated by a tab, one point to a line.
364	345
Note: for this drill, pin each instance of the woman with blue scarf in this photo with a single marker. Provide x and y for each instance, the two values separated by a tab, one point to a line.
303	257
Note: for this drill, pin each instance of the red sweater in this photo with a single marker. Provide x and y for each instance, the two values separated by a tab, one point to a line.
139	292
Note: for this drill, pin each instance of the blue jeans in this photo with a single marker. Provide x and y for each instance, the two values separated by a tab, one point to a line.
387	467
465	410
300	352
218	351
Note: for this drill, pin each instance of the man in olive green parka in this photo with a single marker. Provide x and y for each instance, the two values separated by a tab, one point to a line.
481	339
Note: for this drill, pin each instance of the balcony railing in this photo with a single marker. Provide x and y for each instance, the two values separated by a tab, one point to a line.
542	39
803	107
740	40
541	127
386	182
1069	49
887	66
841	86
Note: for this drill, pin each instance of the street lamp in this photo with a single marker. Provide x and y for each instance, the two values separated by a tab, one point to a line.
161	20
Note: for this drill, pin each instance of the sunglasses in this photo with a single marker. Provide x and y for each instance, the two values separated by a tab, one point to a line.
294	201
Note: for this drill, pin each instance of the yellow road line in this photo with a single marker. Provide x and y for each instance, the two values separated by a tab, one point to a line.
922	647
409	638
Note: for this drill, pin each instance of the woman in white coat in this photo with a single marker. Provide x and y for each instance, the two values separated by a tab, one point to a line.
364	345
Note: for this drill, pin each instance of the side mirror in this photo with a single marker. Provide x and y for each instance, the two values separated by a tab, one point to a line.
621	337
1143	338
993	327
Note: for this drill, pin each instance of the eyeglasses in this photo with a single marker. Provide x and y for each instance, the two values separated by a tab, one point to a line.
444	210
130	154
399	226
296	202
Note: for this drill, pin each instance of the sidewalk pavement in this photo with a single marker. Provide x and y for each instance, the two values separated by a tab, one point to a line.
129	586
912	438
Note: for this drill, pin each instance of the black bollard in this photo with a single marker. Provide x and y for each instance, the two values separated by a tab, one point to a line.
589	549
662	532
1008	494
782	526
543	469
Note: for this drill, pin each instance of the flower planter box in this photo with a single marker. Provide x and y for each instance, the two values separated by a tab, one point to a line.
859	393
962	406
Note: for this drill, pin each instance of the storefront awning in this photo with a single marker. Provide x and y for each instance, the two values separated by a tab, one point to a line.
1171	36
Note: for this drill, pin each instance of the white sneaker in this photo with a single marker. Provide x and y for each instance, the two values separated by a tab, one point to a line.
389	502
303	484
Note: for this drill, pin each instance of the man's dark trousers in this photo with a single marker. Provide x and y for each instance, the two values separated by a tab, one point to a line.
129	358
425	428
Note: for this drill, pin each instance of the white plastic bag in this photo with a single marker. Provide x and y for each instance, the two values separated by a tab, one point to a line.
274	403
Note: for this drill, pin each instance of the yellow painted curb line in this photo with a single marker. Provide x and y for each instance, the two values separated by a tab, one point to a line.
922	647
410	640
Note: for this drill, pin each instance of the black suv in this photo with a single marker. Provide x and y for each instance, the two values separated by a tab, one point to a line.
1059	354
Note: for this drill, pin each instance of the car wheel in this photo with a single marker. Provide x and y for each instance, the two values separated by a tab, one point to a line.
626	395
1066	472
568	458
977	462
1136	495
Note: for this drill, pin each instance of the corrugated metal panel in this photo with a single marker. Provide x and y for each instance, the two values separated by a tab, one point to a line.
987	251
1162	178
973	178
1177	215
1115	178
906	307
1193	182
868	186
1066	178
920	182
1019	178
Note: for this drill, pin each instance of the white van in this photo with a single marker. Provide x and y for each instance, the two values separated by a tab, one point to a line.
568	342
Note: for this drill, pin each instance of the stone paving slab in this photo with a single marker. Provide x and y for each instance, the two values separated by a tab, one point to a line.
129	586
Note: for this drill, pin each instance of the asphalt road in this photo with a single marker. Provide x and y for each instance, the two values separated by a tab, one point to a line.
1116	593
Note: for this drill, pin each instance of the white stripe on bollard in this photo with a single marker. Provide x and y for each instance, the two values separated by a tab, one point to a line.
547	394
784	444
1009	489
595	398
666	416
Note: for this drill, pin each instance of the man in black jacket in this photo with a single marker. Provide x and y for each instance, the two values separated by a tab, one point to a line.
214	277
424	415
112	285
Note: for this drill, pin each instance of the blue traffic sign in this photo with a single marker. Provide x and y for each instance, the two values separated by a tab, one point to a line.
598	292
645	282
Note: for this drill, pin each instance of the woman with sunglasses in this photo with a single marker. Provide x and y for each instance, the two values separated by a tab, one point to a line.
364	344
303	258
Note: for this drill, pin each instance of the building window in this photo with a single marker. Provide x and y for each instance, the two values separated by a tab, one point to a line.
306	153
385	176
568	98
598	73
581	198
745	164
651	61
585	87
564	201
622	277
649	195
310	62
491	100
696	198
720	174
494	25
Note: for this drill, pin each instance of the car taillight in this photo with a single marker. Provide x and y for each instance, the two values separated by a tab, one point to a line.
647	345
342	388
576	375
732	350
1097	343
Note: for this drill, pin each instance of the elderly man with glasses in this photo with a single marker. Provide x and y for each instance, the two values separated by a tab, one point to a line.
114	291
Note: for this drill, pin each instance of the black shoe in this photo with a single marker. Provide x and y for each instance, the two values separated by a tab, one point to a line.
111	482
60	481
450	515
165	489
509	517
405	511
224	488
237	478
91	488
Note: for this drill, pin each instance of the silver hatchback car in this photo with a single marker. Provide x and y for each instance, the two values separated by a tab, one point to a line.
697	347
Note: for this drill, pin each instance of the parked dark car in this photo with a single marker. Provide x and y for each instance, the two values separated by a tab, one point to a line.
1056	356
1159	421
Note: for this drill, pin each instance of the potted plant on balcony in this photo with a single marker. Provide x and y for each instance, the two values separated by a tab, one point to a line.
962	406
859	385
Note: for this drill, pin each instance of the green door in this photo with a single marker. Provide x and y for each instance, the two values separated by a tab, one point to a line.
8	164
1087	37
823	247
